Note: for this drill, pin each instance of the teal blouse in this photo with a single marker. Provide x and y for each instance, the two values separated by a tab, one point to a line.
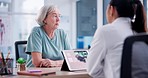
38	41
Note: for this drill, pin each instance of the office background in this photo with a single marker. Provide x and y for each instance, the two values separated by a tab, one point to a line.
80	19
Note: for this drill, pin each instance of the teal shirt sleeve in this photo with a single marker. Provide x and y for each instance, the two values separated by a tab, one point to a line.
34	43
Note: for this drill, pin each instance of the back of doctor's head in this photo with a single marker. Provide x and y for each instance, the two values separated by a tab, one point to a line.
132	9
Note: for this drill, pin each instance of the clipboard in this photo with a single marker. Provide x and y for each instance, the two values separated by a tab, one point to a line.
35	72
74	60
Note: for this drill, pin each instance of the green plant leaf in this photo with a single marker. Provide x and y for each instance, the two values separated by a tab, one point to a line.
21	60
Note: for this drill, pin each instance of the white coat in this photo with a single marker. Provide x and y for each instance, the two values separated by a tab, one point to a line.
104	56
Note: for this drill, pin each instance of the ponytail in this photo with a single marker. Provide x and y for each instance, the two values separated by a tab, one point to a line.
139	20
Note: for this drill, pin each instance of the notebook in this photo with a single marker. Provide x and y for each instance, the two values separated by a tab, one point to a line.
74	60
35	72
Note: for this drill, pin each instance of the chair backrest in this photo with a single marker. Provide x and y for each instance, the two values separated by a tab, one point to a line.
134	63
20	47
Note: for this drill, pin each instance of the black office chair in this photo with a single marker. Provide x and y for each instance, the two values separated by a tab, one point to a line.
20	47
134	63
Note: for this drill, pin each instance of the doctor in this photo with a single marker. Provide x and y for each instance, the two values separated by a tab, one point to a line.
125	18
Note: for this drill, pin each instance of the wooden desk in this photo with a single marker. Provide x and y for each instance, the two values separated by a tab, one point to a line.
58	74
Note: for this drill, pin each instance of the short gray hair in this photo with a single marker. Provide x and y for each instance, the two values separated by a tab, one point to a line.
44	12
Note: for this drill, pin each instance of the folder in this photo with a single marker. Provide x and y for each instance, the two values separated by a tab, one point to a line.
41	73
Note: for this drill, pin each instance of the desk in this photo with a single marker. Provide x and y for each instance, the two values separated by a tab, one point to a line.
58	74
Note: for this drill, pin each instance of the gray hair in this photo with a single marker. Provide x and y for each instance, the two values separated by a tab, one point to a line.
44	12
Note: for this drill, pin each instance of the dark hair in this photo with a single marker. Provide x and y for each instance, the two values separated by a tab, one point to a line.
132	9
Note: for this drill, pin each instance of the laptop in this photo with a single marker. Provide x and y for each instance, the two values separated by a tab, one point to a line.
74	60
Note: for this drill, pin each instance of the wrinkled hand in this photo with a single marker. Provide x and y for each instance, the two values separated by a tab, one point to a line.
48	63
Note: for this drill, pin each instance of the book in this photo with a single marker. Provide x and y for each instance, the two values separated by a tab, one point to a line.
35	72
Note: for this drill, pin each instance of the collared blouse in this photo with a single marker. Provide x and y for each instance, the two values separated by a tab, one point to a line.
104	56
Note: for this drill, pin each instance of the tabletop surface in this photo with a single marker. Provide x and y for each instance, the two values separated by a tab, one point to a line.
58	74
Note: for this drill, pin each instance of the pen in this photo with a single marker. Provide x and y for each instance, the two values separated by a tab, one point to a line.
34	71
4	63
7	58
8	55
0	56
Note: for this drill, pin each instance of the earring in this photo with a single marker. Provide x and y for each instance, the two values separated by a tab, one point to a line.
44	22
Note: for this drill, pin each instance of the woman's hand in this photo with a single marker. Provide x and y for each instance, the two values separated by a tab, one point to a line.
38	61
48	63
51	63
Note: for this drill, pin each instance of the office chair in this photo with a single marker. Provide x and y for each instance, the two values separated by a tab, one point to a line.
20	47
134	62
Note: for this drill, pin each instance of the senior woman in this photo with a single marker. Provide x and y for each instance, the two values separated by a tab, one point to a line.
47	41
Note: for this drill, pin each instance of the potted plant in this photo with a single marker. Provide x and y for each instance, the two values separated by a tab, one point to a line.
21	64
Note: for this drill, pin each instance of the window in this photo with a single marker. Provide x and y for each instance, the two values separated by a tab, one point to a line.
17	20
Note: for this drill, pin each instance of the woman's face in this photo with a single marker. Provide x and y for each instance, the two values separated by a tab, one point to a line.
53	19
108	14
111	13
